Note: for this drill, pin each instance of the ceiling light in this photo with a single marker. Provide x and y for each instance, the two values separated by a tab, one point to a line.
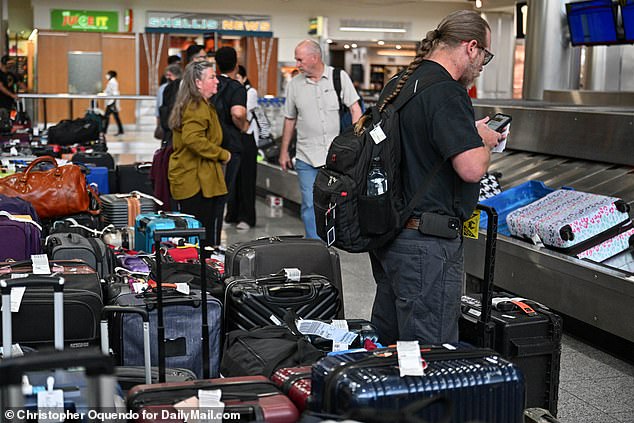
380	42
354	45
409	53
329	41
346	46
398	47
370	29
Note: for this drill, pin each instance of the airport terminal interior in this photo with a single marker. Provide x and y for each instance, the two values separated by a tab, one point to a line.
562	69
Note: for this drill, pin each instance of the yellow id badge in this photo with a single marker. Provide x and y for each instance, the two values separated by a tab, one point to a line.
471	226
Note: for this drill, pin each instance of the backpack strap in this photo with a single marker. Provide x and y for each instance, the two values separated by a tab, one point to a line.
336	82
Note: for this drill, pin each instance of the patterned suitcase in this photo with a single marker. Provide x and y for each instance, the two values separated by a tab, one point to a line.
146	224
566	218
479	384
253	398
295	383
266	256
253	302
604	249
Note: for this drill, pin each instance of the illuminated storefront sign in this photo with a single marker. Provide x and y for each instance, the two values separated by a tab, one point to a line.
206	22
85	20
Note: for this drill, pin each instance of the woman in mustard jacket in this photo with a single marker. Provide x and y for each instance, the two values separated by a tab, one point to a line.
196	166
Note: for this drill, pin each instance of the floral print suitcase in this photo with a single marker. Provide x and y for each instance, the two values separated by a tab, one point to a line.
565	218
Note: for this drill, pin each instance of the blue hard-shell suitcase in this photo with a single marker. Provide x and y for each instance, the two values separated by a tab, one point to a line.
480	385
147	223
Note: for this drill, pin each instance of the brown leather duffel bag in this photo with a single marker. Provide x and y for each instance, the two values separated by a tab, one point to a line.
60	191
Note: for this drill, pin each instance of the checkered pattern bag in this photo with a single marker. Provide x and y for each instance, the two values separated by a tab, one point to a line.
489	185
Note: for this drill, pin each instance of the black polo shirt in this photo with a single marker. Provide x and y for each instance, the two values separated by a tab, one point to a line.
230	93
436	125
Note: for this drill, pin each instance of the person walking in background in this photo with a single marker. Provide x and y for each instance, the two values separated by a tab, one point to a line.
419	275
241	202
195	167
231	105
7	95
313	107
172	72
195	53
112	105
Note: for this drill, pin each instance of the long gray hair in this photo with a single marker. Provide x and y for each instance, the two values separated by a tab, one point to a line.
188	92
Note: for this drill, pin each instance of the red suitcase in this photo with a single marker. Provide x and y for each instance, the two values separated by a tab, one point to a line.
255	398
294	382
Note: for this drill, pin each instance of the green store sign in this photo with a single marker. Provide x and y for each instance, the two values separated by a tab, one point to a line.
84	20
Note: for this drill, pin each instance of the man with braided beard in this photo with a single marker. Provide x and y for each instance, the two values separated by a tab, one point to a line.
419	275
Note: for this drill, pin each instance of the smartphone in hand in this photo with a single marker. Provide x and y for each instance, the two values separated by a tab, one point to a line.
499	122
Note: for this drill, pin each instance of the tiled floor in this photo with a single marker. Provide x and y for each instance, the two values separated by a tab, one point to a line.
595	387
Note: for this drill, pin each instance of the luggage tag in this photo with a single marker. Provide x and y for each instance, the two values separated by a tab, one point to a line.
410	361
377	134
40	264
330	224
315	327
340	346
50	403
471	226
210	405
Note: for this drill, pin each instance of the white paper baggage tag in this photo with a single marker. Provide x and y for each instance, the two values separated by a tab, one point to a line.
340	346
314	327
50	403
293	274
273	318
40	264
210	406
410	361
377	134
183	288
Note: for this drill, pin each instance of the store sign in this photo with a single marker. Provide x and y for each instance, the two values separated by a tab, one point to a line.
251	23
316	26
85	20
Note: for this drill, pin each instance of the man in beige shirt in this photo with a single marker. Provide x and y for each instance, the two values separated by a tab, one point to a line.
312	107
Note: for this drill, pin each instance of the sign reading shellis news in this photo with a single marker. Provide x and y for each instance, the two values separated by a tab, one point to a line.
85	20
209	22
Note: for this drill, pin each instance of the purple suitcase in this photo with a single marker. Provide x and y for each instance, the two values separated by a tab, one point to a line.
564	219
16	205
23	236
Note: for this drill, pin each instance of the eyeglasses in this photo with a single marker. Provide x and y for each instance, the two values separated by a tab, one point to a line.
488	56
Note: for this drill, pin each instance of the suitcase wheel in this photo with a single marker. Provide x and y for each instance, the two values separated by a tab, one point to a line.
566	233
622	206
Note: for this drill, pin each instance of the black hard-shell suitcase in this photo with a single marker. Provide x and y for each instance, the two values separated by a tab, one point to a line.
82	305
523	332
266	256
264	301
479	384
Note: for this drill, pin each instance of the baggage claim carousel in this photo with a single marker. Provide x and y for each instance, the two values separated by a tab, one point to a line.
590	149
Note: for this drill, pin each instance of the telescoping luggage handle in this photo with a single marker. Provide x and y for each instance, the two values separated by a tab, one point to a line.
58	307
484	326
185	233
105	341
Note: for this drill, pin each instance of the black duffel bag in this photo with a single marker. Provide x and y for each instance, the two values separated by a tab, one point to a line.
77	131
263	350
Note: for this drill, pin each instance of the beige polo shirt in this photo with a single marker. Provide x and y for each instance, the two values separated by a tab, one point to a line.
316	108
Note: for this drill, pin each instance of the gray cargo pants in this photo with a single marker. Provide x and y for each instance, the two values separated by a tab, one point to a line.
418	288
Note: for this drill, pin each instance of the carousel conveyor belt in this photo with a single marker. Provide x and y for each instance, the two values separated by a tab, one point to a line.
601	295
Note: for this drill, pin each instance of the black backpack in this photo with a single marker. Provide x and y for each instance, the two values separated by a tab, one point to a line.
167	104
345	117
345	216
231	136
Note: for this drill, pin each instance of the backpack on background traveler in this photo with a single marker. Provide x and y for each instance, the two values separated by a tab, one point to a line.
231	136
345	117
346	216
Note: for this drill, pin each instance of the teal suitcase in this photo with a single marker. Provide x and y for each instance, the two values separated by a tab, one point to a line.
147	223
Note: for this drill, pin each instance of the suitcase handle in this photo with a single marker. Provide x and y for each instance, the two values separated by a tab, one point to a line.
185	233
145	316
58	307
484	325
93	362
290	293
